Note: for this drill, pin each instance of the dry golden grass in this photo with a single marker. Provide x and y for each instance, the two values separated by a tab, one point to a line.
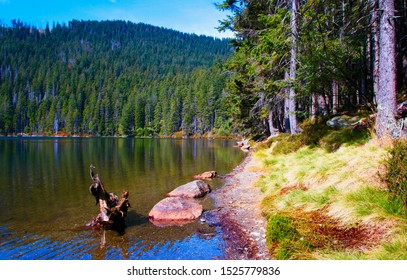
344	187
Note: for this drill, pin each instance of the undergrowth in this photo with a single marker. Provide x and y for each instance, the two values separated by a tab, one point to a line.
315	133
395	175
324	198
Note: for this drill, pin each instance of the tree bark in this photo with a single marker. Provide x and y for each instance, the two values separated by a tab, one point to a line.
401	39
322	105
286	105
335	100
376	48
314	106
293	68
273	130
386	125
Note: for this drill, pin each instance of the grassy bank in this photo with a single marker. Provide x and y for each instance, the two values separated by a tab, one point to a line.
325	198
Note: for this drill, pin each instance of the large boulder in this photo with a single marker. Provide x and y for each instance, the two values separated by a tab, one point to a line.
192	189
341	121
175	211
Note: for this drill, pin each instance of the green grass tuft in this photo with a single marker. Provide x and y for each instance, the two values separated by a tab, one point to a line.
369	201
287	249
335	139
280	228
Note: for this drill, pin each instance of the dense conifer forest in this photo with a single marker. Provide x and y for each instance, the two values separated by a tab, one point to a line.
110	78
289	61
301	59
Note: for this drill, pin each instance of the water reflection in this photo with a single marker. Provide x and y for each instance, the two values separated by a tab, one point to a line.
45	199
105	245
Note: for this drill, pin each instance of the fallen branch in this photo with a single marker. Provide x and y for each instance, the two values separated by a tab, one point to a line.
364	122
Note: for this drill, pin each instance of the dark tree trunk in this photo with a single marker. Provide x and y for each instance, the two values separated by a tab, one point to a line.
376	48
273	130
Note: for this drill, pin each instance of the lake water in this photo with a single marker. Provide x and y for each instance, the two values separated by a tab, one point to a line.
45	201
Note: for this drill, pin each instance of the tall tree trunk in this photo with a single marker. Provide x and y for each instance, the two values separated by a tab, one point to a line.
293	68
335	100
314	106
376	54
401	42
273	130
286	105
386	96
322	105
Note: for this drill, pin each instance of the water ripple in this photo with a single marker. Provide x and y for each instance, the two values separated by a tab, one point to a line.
89	245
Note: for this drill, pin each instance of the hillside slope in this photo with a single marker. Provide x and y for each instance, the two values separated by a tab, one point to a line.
109	78
324	203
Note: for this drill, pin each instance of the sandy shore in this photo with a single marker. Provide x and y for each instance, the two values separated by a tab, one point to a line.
238	210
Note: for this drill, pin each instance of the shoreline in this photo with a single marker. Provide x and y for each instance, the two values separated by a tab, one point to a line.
119	137
237	207
156	136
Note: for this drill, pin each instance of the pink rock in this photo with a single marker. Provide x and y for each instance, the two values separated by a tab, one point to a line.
192	189
208	175
175	210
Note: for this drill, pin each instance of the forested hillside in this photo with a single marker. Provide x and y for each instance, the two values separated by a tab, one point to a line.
110	78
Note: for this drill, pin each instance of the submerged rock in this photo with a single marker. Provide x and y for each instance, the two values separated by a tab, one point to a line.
192	189
208	175
175	211
212	218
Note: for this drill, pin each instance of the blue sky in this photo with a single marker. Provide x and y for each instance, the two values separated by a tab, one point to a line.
190	16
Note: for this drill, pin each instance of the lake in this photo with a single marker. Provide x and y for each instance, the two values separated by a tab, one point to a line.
45	200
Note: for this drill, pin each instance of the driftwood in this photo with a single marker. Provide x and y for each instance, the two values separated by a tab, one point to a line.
112	211
365	122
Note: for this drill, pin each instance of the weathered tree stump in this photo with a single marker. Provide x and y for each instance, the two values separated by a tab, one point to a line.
112	211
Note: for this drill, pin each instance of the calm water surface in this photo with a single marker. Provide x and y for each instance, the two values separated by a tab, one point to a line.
45	202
